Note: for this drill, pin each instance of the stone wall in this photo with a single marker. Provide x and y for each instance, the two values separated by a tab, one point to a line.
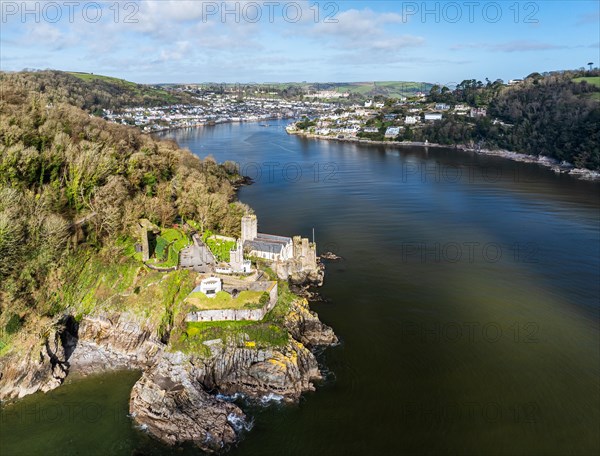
239	314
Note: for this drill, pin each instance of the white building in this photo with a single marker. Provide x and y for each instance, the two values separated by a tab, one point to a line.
411	120
478	112
210	287
371	130
433	116
267	246
392	132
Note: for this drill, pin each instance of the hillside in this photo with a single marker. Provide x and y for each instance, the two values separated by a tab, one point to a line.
72	189
555	115
296	90
89	92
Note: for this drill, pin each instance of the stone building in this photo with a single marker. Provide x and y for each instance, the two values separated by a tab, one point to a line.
291	258
236	259
267	246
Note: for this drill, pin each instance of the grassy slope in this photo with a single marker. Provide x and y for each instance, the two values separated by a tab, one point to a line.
90	77
56	160
136	89
191	337
223	300
594	80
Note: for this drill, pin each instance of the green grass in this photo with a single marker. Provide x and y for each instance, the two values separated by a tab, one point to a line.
168	245
219	247
223	300
88	77
115	280
263	334
270	332
593	80
139	90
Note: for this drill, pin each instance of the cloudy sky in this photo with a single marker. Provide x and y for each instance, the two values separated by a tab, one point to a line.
267	41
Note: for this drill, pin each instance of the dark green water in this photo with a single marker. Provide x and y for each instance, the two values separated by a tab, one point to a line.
467	304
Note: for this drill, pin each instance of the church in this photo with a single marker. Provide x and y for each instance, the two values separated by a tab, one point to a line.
267	246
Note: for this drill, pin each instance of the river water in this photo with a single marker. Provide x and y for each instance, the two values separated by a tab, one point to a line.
467	303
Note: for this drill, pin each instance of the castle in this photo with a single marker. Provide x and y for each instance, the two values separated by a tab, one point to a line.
289	256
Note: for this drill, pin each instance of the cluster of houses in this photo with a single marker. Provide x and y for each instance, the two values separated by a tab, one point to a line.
214	108
357	119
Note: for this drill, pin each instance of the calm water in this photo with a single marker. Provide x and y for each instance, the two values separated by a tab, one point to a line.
467	305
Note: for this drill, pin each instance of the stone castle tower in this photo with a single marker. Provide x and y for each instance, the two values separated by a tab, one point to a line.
236	257
305	252
249	228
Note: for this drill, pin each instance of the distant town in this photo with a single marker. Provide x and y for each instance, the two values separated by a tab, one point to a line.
326	112
216	108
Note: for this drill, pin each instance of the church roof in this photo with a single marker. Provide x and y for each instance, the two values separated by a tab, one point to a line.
268	243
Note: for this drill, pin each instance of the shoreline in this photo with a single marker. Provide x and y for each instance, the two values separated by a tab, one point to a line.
211	124
547	162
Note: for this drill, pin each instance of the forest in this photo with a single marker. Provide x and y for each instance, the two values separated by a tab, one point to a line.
555	115
73	186
90	92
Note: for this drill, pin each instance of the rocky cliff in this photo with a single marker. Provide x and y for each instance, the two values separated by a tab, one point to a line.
177	398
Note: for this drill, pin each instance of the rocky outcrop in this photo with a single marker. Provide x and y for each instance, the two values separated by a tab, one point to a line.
304	325
285	372
177	397
170	404
111	342
44	368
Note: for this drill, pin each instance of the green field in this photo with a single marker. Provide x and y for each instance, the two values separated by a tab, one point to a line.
223	300
593	80
137	90
220	248
168	245
89	77
257	334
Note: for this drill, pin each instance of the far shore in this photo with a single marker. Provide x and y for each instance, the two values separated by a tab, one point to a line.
554	165
213	123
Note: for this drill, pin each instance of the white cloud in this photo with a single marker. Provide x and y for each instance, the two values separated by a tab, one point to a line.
364	31
180	50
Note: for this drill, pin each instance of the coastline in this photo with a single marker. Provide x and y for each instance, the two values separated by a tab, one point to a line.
212	124
547	162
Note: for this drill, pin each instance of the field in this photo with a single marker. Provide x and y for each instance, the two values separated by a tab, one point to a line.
254	334
593	80
168	245
138	90
220	248
89	77
223	300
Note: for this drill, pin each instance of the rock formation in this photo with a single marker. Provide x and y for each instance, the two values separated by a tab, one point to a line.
176	399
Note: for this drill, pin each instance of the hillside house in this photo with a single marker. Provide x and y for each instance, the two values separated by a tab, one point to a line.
433	116
392	132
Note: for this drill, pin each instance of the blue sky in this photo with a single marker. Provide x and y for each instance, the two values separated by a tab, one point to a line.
269	41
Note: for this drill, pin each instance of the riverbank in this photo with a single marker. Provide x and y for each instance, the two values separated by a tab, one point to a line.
547	162
213	123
